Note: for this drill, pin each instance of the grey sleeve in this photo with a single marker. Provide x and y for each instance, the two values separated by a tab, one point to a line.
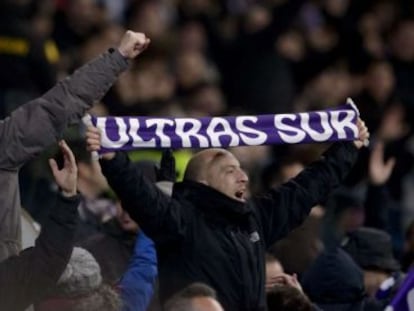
39	123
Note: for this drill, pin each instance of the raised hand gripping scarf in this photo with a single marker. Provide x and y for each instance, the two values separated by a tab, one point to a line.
127	133
404	298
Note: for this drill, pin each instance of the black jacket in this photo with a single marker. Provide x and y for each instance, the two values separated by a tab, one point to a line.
203	235
335	282
27	277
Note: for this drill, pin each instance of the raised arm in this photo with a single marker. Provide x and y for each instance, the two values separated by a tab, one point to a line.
378	199
39	123
285	208
160	216
25	278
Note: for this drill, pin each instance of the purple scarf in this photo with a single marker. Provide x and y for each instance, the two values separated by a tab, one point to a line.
127	133
404	299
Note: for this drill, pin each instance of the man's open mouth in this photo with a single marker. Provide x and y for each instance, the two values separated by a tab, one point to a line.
239	194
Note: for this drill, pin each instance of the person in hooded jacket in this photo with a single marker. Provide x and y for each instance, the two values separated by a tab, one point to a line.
208	231
38	124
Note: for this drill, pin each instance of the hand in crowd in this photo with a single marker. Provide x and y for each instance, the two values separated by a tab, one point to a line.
284	279
363	136
66	178
93	142
379	169
132	44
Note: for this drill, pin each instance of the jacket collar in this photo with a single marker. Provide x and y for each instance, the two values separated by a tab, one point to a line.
211	201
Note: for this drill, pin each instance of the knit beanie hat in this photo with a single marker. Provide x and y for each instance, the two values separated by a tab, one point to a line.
81	276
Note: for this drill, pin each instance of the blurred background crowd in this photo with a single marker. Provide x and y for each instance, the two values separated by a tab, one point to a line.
231	57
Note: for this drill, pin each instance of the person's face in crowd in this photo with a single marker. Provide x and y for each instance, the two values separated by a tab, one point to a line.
330	87
192	37
208	101
402	41
273	270
191	68
83	15
224	174
291	45
150	81
151	18
257	18
373	280
206	304
336	8
380	81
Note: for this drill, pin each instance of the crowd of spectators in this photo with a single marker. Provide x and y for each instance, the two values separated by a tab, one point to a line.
210	58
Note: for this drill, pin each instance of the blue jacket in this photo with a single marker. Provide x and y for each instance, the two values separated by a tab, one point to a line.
137	284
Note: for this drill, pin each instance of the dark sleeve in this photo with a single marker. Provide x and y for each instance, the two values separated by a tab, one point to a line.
160	216
286	207
377	203
41	122
25	278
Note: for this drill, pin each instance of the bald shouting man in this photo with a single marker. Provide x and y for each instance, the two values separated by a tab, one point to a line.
208	231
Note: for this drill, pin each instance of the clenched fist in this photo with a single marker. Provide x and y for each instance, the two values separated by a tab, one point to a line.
132	44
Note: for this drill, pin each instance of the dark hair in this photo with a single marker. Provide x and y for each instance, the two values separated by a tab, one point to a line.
197	290
103	298
181	301
287	298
